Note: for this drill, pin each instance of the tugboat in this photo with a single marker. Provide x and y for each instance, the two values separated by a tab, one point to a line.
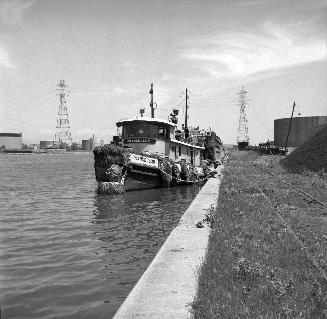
152	152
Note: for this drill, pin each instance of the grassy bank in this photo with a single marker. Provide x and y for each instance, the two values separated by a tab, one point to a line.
254	268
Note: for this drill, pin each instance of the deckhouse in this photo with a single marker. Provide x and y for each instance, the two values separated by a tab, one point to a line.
161	137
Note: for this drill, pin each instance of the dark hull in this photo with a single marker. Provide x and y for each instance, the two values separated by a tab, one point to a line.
242	145
118	170
140	177
136	181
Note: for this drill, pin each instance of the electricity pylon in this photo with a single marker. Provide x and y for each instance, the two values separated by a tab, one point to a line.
63	135
242	136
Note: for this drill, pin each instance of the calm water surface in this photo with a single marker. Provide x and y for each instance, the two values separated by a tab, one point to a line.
67	252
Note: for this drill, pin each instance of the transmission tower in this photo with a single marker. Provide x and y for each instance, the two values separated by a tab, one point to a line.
242	137
63	135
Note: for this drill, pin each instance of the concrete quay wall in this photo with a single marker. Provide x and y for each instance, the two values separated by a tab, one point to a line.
168	286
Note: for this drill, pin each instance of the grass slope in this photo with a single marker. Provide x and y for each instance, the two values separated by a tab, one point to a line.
253	267
312	155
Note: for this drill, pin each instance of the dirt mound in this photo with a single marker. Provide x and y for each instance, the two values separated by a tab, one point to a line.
312	155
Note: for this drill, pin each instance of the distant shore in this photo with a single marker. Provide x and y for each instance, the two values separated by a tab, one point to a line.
43	151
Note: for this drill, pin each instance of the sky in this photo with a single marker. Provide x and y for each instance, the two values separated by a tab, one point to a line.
110	51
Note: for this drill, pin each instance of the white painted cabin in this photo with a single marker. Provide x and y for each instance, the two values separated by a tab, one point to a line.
158	136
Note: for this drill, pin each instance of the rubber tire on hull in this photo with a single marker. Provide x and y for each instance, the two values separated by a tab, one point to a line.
191	175
166	173
176	174
185	173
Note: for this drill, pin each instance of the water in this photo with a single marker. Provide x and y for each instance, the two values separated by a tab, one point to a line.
67	252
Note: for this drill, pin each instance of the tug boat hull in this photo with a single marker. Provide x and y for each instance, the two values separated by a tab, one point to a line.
139	177
118	170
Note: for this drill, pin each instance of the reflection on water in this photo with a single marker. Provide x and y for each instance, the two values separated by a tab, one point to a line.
132	229
67	252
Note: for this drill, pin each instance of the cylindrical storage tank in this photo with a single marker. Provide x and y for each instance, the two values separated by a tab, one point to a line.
97	142
301	129
86	144
47	144
92	143
11	141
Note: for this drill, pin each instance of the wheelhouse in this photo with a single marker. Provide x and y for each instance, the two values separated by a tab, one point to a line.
155	136
144	127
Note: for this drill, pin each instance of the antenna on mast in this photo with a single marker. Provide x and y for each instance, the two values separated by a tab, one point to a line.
151	102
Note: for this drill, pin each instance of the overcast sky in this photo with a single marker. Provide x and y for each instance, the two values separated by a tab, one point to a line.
109	52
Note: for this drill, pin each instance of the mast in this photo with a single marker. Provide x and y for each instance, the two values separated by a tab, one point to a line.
186	107
151	103
289	127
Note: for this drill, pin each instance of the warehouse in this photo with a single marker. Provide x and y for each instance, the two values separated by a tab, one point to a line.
11	141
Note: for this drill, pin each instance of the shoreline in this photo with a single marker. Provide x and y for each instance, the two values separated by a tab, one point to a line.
43	151
169	285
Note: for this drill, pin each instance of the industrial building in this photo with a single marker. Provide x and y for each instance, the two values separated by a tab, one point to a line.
301	129
48	144
87	144
11	141
91	143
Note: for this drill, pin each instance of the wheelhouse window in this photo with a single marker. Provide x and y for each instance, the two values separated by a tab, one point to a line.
136	130
164	132
129	131
143	129
153	131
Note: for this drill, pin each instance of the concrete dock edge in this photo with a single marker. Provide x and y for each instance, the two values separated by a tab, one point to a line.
168	286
